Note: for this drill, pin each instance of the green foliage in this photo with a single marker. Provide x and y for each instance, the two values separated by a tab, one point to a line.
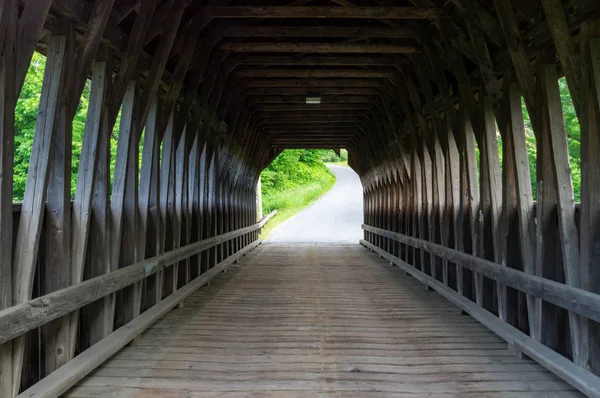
292	181
25	119
292	169
573	131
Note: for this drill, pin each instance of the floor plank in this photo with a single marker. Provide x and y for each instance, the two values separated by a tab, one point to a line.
318	321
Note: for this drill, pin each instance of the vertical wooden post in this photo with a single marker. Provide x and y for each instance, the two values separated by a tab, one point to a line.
452	214
180	170
590	195
519	162
122	197
491	178
166	183
56	265
203	209
100	314
193	202
418	203
469	199
30	224
86	179
557	148
148	190
8	101
259	205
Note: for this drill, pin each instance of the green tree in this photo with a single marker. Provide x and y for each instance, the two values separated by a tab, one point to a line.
25	119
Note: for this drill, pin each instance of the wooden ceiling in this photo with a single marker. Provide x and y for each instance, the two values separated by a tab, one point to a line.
252	63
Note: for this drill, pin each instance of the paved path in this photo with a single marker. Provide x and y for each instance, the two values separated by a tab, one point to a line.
335	218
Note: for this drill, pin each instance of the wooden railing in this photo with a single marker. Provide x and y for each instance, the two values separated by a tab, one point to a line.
19	319
574	300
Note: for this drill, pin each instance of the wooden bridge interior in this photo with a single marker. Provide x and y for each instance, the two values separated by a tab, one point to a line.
201	95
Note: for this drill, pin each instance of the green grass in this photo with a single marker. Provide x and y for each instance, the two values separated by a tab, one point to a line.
291	201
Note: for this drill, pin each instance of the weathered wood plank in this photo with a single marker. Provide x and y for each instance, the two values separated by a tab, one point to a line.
316	31
327	48
23	317
8	101
30	27
56	263
573	299
590	196
515	134
562	367
148	179
565	204
125	150
323	12
75	370
349	329
32	210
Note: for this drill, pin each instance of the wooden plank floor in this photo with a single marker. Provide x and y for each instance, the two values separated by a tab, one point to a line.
318	321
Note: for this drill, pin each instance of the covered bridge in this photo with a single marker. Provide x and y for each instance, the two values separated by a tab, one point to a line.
434	101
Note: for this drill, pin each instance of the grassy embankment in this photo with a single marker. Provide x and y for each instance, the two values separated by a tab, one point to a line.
293	181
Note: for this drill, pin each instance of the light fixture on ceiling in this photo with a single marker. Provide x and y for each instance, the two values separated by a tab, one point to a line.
313	98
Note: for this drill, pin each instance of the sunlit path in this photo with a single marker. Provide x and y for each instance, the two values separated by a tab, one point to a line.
335	218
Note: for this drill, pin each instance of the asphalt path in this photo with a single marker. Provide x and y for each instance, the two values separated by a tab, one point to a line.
335	218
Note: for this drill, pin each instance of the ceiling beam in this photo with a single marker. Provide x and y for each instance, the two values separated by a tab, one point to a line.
313	83
316	73
327	48
336	60
312	130
317	31
301	99
311	136
304	107
324	12
327	120
310	146
302	91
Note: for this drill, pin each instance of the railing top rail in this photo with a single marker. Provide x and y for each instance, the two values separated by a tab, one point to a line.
23	317
571	298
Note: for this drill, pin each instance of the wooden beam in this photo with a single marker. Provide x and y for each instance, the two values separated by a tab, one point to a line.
56	261
590	193
324	12
301	100
326	48
86	176
519	161
288	82
122	174
308	107
317	31
302	91
30	27
573	299
8	100
133	51
311	60
313	113
309	130
23	317
315	73
554	139
30	224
